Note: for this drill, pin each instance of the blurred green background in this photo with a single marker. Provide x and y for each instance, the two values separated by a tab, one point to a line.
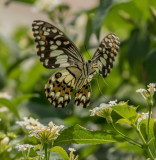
23	77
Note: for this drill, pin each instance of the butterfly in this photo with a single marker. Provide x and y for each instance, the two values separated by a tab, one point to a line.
56	50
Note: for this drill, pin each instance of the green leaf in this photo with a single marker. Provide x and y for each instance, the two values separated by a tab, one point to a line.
126	111
23	1
88	30
123	120
19	99
60	151
80	135
7	103
100	15
138	47
150	136
150	65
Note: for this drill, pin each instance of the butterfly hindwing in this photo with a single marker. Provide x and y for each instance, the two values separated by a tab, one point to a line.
59	88
82	96
105	54
55	49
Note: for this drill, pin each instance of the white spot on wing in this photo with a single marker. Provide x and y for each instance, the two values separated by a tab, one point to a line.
103	61
53	47
56	53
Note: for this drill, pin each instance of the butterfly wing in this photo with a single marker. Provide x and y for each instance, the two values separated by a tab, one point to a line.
55	49
82	96
60	86
105	54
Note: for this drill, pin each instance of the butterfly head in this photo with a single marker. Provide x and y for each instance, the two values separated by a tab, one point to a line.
91	67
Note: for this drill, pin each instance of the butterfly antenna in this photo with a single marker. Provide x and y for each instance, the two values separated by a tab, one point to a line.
87	51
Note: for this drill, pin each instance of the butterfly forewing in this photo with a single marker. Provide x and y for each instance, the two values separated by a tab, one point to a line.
54	48
106	53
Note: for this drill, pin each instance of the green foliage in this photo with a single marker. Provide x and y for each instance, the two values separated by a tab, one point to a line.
80	135
23	77
60	151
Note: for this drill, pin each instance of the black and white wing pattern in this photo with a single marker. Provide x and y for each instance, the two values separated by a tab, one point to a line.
54	48
106	53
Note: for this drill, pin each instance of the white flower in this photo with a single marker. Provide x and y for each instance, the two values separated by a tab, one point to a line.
113	103
151	85
46	5
71	149
143	116
5	95
3	109
29	123
5	141
149	89
51	124
140	90
46	133
23	147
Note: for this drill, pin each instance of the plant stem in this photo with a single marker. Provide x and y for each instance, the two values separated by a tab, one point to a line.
46	155
144	142
125	137
24	155
149	117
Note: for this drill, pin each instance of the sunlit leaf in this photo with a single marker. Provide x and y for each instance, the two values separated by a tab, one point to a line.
123	120
60	151
126	111
80	135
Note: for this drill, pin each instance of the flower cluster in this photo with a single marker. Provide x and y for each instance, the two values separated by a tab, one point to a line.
23	147
28	123
104	110
45	134
149	93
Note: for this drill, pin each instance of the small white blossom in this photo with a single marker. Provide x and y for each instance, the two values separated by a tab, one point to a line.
5	95
71	149
29	123
104	110
140	90
113	103
4	141
98	109
149	89
143	116
151	85
23	147
3	109
46	5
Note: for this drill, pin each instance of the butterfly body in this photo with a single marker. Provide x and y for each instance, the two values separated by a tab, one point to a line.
56	50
